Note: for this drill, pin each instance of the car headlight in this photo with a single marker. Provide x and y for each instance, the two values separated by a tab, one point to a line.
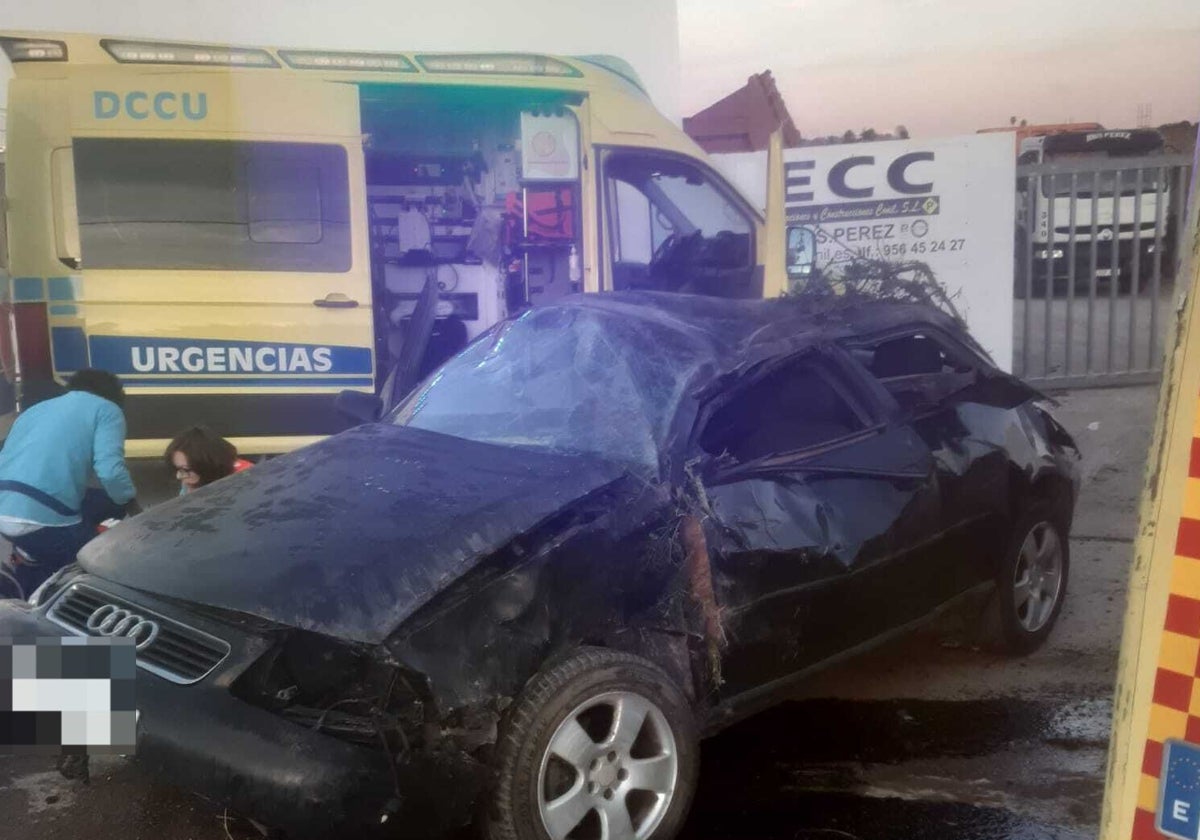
1056	432
52	584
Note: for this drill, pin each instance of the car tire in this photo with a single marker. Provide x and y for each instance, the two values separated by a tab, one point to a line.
1031	583
568	752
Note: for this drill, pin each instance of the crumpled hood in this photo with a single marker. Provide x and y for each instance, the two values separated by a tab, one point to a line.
347	537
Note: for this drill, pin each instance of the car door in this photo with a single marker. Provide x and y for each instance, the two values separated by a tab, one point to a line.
824	508
944	395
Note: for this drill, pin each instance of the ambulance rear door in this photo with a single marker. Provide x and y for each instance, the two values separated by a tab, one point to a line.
212	230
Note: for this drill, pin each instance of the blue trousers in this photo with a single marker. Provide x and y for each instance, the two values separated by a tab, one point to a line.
49	549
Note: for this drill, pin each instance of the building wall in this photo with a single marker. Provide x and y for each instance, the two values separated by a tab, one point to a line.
744	120
643	32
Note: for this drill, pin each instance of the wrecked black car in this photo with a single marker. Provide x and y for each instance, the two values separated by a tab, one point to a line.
608	527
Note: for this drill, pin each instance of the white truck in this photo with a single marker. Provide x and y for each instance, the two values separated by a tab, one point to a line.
1087	186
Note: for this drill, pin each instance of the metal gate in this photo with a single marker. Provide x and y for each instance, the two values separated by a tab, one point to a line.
1097	249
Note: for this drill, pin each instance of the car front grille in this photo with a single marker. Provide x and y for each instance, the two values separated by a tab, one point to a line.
177	653
1085	228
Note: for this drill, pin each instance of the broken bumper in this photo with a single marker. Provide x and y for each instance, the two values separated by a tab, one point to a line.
202	738
292	778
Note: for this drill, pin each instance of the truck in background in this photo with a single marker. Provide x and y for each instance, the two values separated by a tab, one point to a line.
1022	132
1096	193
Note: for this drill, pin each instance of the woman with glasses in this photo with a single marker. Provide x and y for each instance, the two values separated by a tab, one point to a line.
199	457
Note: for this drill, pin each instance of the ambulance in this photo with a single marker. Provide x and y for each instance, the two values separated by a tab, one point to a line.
1153	784
241	233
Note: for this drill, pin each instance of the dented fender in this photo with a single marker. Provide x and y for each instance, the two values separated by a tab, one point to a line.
607	571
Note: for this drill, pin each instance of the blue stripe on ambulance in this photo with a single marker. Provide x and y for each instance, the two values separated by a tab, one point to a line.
70	349
28	290
61	288
163	358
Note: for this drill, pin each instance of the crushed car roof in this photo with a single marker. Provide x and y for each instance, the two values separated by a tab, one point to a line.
741	331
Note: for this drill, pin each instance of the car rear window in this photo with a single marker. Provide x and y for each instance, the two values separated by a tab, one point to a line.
919	369
793	408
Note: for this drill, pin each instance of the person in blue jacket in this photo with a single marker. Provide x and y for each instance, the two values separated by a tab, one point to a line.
52	454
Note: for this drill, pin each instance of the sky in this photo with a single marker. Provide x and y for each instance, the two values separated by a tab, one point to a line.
936	66
948	66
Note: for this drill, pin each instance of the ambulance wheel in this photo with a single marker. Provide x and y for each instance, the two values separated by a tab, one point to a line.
1031	583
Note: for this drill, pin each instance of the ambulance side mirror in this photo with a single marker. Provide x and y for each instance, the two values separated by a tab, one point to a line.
358	407
801	254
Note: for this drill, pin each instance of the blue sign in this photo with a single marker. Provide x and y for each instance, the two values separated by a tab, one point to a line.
1179	791
124	355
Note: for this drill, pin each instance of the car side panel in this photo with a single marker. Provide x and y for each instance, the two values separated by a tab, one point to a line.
972	463
990	452
813	561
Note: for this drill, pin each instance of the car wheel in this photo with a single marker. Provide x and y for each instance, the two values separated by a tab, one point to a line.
601	744
1032	581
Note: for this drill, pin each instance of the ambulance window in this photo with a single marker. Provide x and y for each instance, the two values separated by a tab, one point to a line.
631	210
706	208
219	205
673	228
285	202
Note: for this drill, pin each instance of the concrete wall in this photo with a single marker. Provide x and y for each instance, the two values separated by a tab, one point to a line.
643	32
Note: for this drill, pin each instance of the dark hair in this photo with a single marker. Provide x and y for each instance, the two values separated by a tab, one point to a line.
209	455
98	382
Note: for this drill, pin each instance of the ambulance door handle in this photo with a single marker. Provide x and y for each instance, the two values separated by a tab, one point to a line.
335	300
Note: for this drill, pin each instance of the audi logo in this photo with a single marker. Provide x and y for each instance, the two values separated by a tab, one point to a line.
111	620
